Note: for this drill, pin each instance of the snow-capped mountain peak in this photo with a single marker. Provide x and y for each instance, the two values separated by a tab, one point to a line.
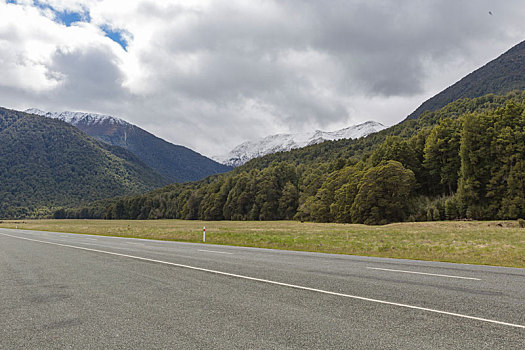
285	142
176	163
75	118
35	111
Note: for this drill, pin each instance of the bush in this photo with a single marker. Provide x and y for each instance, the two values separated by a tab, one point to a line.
521	222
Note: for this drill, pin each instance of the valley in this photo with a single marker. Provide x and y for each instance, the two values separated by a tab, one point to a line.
262	174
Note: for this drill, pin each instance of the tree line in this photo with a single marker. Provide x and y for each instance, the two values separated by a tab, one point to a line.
465	161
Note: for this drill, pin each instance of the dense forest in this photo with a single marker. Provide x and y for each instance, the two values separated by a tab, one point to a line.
463	161
46	164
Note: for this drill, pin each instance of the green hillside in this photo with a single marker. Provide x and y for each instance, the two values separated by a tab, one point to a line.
500	76
45	163
465	160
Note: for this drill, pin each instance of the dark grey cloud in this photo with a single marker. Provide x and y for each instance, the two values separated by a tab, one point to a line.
89	74
381	46
384	45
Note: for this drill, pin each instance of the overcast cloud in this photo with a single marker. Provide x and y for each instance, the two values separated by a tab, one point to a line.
211	74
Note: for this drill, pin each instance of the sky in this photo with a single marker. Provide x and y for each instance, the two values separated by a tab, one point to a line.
210	74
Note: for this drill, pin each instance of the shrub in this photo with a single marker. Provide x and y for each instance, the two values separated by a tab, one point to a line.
521	222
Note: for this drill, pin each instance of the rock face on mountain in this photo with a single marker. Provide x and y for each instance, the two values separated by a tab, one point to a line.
285	142
176	163
46	163
504	74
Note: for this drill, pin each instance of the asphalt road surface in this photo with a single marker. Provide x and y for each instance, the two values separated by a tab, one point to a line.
70	291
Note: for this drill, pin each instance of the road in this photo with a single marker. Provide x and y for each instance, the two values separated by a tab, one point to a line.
71	291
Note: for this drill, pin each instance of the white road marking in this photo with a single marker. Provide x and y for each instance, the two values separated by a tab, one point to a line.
424	273
213	251
278	283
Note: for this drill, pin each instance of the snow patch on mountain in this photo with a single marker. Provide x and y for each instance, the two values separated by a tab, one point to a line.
76	118
285	142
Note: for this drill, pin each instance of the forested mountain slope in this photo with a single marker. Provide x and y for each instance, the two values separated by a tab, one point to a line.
46	163
500	76
176	163
359	148
465	160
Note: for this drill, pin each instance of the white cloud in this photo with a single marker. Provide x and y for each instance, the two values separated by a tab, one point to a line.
210	74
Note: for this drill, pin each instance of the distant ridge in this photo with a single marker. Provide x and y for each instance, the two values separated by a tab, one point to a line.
285	142
176	163
504	74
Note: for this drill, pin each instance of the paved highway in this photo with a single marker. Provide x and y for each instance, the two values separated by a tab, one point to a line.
70	291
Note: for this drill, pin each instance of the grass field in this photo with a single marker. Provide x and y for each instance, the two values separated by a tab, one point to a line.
492	243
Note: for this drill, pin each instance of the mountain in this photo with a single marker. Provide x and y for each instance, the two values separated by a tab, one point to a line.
463	161
504	74
174	162
285	142
46	163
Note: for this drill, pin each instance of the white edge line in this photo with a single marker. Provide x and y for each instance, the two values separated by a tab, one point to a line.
424	273
213	251
280	283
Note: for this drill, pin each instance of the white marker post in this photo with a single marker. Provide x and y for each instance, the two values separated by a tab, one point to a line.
204	234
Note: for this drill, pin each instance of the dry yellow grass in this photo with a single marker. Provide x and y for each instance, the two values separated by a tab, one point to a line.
493	243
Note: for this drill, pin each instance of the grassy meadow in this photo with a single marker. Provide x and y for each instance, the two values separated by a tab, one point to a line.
499	243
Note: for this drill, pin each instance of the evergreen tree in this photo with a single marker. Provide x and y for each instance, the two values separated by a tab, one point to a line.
289	201
441	157
383	194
